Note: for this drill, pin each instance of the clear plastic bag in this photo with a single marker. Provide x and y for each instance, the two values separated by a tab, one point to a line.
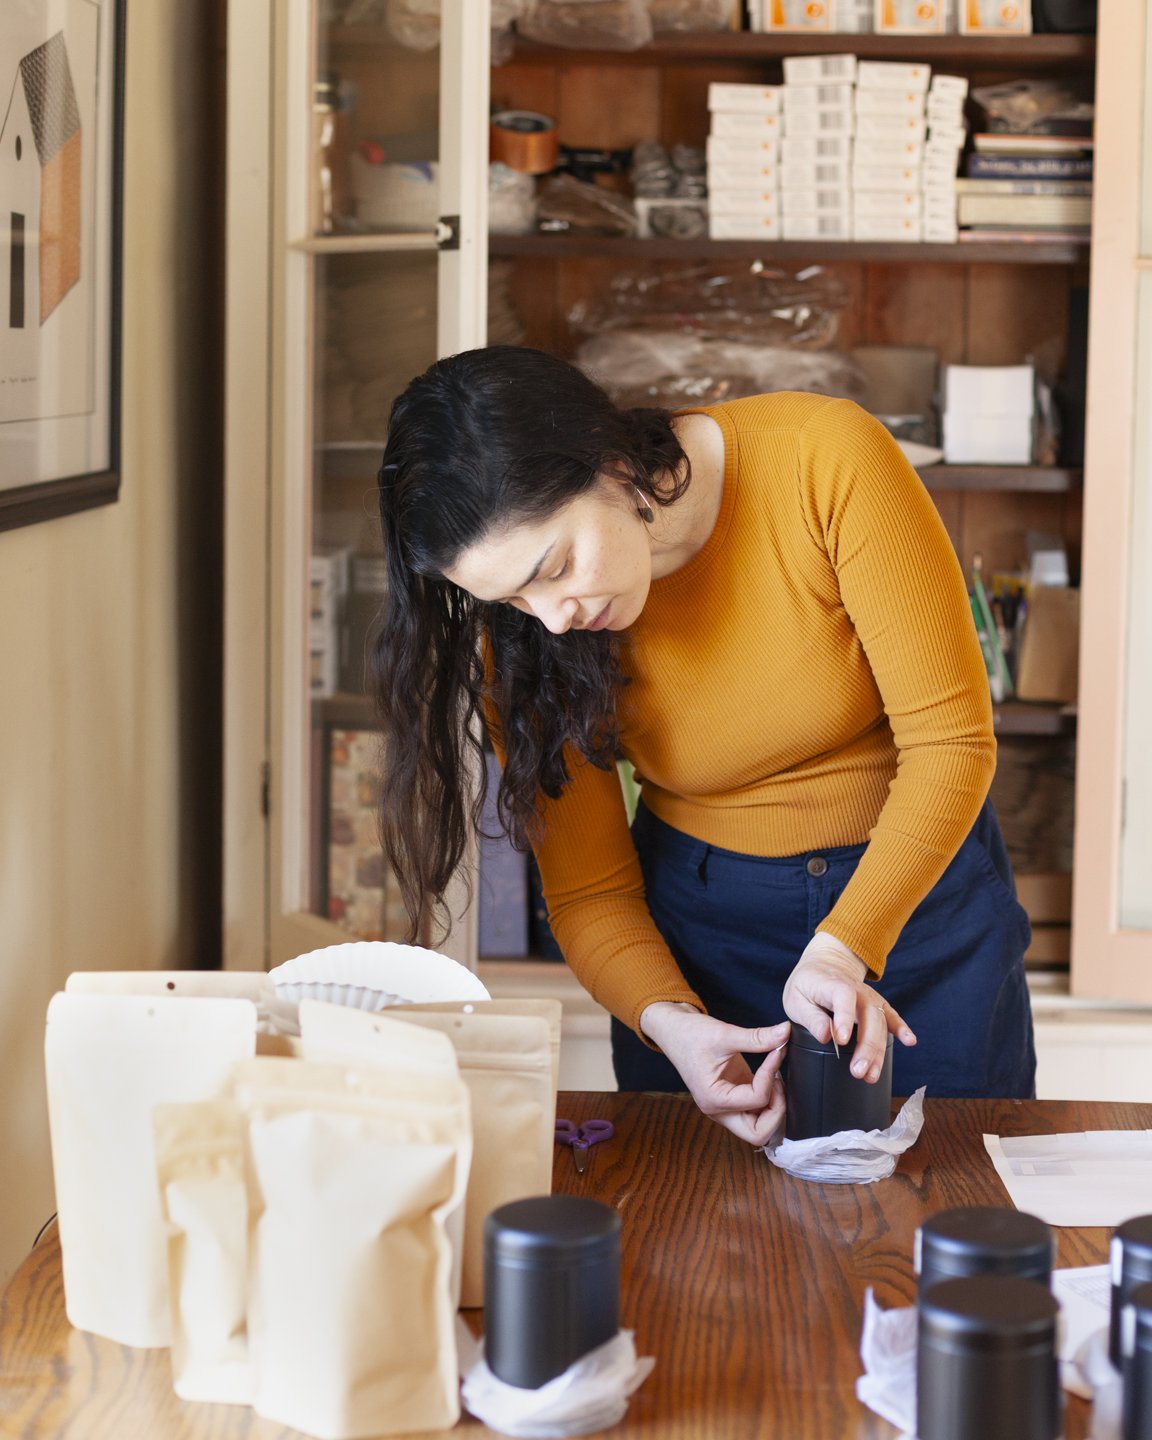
1019	106
565	204
669	368
754	302
588	24
690	14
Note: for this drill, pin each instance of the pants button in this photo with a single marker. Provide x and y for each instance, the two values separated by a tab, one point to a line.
817	865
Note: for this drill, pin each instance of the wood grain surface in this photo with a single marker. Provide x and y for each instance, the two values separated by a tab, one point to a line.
745	1284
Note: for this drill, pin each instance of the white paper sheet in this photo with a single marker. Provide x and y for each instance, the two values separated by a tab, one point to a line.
1093	1177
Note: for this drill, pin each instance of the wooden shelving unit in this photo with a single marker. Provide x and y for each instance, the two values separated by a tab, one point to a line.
1035	53
1037	250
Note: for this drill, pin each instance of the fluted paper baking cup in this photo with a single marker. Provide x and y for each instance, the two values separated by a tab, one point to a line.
374	974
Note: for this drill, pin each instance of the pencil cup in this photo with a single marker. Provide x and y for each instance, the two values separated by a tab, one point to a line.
982	1240
1136	1355
823	1095
1131	1256
551	1285
986	1361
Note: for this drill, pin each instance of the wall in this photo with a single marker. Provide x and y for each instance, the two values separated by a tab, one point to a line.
109	628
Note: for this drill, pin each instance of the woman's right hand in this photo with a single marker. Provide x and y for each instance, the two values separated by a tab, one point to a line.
709	1055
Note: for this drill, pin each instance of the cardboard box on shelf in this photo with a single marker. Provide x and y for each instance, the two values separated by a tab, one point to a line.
1048	668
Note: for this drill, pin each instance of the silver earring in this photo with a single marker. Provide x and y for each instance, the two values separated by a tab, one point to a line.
643	509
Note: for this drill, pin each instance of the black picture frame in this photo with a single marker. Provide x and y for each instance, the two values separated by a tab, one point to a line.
26	498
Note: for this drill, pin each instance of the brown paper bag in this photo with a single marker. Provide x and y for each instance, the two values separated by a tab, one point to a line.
110	1059
276	1022
204	1200
350	1312
508	1061
550	1010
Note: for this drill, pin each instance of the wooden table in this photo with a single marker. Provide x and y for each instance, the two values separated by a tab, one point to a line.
746	1285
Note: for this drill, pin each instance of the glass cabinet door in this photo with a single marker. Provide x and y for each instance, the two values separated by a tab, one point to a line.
1112	902
376	252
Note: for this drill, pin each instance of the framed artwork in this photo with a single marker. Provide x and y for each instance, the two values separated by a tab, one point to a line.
61	182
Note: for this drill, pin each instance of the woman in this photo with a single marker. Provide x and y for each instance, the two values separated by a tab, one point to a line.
759	606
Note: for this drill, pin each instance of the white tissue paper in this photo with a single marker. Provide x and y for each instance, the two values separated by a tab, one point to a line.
888	1351
852	1157
591	1395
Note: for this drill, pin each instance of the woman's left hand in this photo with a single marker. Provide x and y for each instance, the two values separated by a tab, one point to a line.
826	994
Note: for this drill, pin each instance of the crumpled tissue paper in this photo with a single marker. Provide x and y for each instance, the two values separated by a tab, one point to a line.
852	1157
888	1350
590	1395
888	1385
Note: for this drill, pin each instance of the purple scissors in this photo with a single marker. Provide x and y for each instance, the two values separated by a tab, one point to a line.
580	1137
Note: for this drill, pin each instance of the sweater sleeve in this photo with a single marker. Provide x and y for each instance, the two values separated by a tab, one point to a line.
594	890
903	590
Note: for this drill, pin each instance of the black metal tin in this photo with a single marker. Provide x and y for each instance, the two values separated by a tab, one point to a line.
986	1365
551	1285
823	1095
983	1240
1136	1353
1131	1255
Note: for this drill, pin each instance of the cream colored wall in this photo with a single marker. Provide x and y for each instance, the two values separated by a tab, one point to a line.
94	846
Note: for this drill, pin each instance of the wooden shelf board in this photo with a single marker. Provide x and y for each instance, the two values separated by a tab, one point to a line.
1037	52
1031	717
1002	252
1052	479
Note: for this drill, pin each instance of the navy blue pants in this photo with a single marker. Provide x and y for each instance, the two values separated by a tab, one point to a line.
737	924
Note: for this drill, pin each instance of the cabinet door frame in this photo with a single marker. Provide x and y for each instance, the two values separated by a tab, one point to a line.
1107	960
268	437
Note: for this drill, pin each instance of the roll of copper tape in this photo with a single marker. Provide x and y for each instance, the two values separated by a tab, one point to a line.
524	140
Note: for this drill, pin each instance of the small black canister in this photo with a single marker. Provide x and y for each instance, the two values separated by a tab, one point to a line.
823	1095
983	1240
986	1361
551	1285
1136	1354
1131	1255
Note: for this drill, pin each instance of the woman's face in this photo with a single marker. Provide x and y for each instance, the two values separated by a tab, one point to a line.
587	566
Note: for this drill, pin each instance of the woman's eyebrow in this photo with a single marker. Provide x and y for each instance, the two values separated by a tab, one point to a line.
535	571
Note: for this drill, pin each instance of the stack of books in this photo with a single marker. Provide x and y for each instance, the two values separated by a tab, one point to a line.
1027	183
1034	178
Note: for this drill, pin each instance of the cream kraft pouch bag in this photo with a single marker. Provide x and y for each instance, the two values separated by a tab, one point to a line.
204	1200
506	1051
109	1060
350	1313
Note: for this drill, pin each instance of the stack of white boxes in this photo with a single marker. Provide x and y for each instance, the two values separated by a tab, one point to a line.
891	125
816	150
743	152
988	414
843	150
946	136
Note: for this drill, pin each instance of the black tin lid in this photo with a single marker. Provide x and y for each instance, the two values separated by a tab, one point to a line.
802	1039
552	1230
980	1312
988	1238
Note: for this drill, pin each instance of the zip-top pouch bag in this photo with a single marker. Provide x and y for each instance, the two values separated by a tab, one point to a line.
110	1060
353	1174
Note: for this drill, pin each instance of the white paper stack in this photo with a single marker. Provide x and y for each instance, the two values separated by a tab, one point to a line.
816	152
988	414
946	135
743	153
890	130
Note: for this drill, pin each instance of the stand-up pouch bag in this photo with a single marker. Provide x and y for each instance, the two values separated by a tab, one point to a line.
204	1200
506	1060
110	1060
353	1173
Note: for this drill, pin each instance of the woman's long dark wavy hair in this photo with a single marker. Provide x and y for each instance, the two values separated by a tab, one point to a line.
490	438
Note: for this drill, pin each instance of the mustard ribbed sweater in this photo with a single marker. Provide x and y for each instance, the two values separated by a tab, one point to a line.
811	678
